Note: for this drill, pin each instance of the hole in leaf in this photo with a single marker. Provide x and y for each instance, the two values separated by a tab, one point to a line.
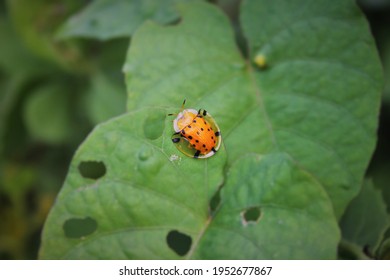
215	201
92	169
179	242
251	215
77	228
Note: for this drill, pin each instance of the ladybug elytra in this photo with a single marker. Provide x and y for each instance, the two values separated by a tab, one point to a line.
196	133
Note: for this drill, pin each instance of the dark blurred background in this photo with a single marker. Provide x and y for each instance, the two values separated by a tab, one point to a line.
54	91
378	15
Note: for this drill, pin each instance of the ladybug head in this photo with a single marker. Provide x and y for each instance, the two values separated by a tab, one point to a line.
184	118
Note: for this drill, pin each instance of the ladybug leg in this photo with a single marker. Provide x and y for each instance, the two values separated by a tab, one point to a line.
176	139
200	113
196	155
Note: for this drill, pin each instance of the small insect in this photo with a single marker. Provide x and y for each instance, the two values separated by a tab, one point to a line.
196	133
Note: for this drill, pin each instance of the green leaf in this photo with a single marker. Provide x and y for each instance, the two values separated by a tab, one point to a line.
146	197
297	140
365	220
294	103
310	108
105	19
295	217
145	192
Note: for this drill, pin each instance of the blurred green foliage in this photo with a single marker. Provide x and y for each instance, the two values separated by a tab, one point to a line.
56	85
52	93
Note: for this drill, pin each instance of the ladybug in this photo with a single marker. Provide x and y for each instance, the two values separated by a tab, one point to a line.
196	133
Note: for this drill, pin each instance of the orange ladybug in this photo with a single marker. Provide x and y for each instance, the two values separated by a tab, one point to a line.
196	133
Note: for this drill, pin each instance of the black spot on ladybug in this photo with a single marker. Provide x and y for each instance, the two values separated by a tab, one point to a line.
217	133
183	132
194	120
193	145
208	129
190	137
189	126
198	132
214	142
201	128
206	150
197	141
212	137
205	123
204	146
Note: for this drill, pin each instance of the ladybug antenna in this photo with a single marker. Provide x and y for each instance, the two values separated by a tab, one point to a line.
182	107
